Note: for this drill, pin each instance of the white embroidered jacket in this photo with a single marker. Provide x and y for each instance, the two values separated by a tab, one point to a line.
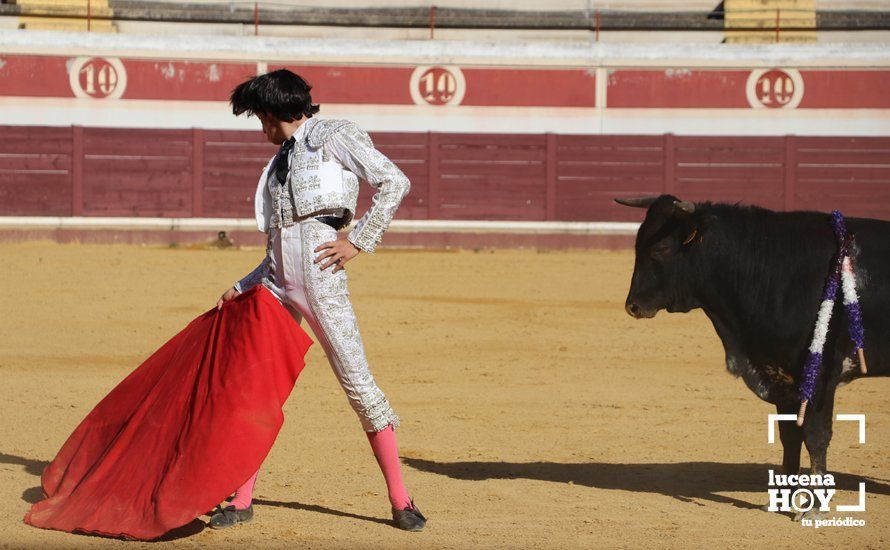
328	158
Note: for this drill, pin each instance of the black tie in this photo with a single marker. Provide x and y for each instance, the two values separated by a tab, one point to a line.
281	160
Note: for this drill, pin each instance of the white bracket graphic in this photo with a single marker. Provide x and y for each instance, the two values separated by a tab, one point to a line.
854	507
773	418
855	418
771	424
771	438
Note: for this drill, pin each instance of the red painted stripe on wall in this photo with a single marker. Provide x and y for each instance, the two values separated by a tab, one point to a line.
365	85
34	76
530	88
176	80
193	80
846	90
677	88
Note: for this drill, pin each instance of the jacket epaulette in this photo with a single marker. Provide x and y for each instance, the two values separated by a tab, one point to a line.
323	129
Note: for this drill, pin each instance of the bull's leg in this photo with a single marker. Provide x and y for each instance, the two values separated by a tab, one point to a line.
791	436
817	435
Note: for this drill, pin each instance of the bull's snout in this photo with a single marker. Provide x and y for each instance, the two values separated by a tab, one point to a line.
634	310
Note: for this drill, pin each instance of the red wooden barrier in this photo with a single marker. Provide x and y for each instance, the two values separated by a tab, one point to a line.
137	172
853	172
592	170
233	161
48	171
411	152
35	171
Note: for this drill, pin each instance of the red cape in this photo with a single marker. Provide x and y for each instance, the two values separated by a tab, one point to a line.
182	431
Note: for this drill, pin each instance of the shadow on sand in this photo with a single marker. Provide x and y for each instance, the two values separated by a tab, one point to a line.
33	495
685	481
319	509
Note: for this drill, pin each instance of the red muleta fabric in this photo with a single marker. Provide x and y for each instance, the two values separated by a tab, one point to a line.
183	430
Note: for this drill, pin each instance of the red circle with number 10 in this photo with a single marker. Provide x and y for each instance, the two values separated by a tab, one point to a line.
437	86
775	89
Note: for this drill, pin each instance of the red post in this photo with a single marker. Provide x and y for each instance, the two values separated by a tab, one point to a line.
550	211
89	15
432	22
669	163
790	177
256	18
778	23
77	170
597	23
435	199
197	173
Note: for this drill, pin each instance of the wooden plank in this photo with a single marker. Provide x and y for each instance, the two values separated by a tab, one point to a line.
600	206
77	171
789	183
36	162
712	172
610	141
197	172
435	197
627	156
501	169
180	151
569	170
821	143
55	144
730	156
493	212
729	142
228	203
669	164
240	174
505	186
843	173
130	166
552	168
500	140
493	154
843	156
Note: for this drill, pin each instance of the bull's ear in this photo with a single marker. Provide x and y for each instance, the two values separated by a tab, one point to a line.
636	202
685	206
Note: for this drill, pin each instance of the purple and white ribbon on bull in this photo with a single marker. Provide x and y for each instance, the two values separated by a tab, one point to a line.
842	275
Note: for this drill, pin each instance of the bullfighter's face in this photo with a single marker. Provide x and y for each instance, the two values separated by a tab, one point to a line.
276	130
663	270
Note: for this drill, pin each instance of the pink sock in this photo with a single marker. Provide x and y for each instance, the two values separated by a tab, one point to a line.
384	445
244	495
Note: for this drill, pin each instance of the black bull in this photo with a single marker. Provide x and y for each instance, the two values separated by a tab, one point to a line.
759	277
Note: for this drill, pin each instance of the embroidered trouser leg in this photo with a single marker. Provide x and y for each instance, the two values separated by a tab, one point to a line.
321	297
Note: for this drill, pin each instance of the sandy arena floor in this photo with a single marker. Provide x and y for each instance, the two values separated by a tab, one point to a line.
536	413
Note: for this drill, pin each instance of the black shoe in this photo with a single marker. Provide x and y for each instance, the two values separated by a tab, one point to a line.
409	519
229	516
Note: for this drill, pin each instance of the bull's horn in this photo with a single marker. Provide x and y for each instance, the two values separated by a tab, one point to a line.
637	202
685	206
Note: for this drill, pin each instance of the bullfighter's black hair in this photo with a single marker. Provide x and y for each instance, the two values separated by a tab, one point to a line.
282	94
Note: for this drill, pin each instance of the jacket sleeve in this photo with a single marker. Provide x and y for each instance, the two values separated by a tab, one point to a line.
256	276
355	151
